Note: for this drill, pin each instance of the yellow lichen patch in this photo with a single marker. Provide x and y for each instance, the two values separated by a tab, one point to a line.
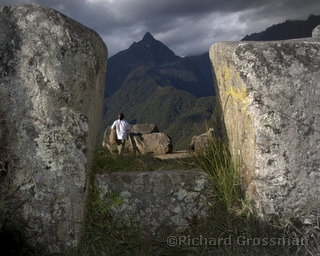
238	94
235	103
230	79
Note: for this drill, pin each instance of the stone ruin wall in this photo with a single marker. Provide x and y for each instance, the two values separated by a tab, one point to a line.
160	202
52	79
270	101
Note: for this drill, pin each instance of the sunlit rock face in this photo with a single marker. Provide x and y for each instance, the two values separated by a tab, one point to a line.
269	96
52	72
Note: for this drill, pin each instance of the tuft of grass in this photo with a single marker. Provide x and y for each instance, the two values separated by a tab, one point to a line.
103	234
224	172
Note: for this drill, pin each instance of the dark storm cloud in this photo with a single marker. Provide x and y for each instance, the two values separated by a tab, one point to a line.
187	27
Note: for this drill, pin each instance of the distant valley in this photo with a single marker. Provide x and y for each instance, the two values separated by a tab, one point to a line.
150	84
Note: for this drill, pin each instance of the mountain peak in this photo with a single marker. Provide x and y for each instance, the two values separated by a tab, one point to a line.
149	51
148	37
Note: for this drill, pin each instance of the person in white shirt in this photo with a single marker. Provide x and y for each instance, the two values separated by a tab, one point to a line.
123	130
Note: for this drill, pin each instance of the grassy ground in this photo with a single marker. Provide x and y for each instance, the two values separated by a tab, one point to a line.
104	161
232	228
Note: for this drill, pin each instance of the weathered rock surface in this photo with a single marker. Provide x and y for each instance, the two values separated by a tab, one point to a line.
143	128
270	95
200	143
136	129
144	139
52	75
159	201
156	143
316	32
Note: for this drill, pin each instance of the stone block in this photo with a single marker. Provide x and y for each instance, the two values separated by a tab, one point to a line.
52	79
141	129
159	201
269	98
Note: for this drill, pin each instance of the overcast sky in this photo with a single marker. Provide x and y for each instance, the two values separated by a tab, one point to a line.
188	27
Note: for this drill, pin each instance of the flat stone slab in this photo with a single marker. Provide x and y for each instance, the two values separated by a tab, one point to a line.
158	201
175	155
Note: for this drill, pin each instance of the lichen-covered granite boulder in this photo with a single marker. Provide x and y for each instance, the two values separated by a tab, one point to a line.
52	78
270	100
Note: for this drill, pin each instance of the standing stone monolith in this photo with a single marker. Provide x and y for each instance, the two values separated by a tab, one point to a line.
52	78
269	96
